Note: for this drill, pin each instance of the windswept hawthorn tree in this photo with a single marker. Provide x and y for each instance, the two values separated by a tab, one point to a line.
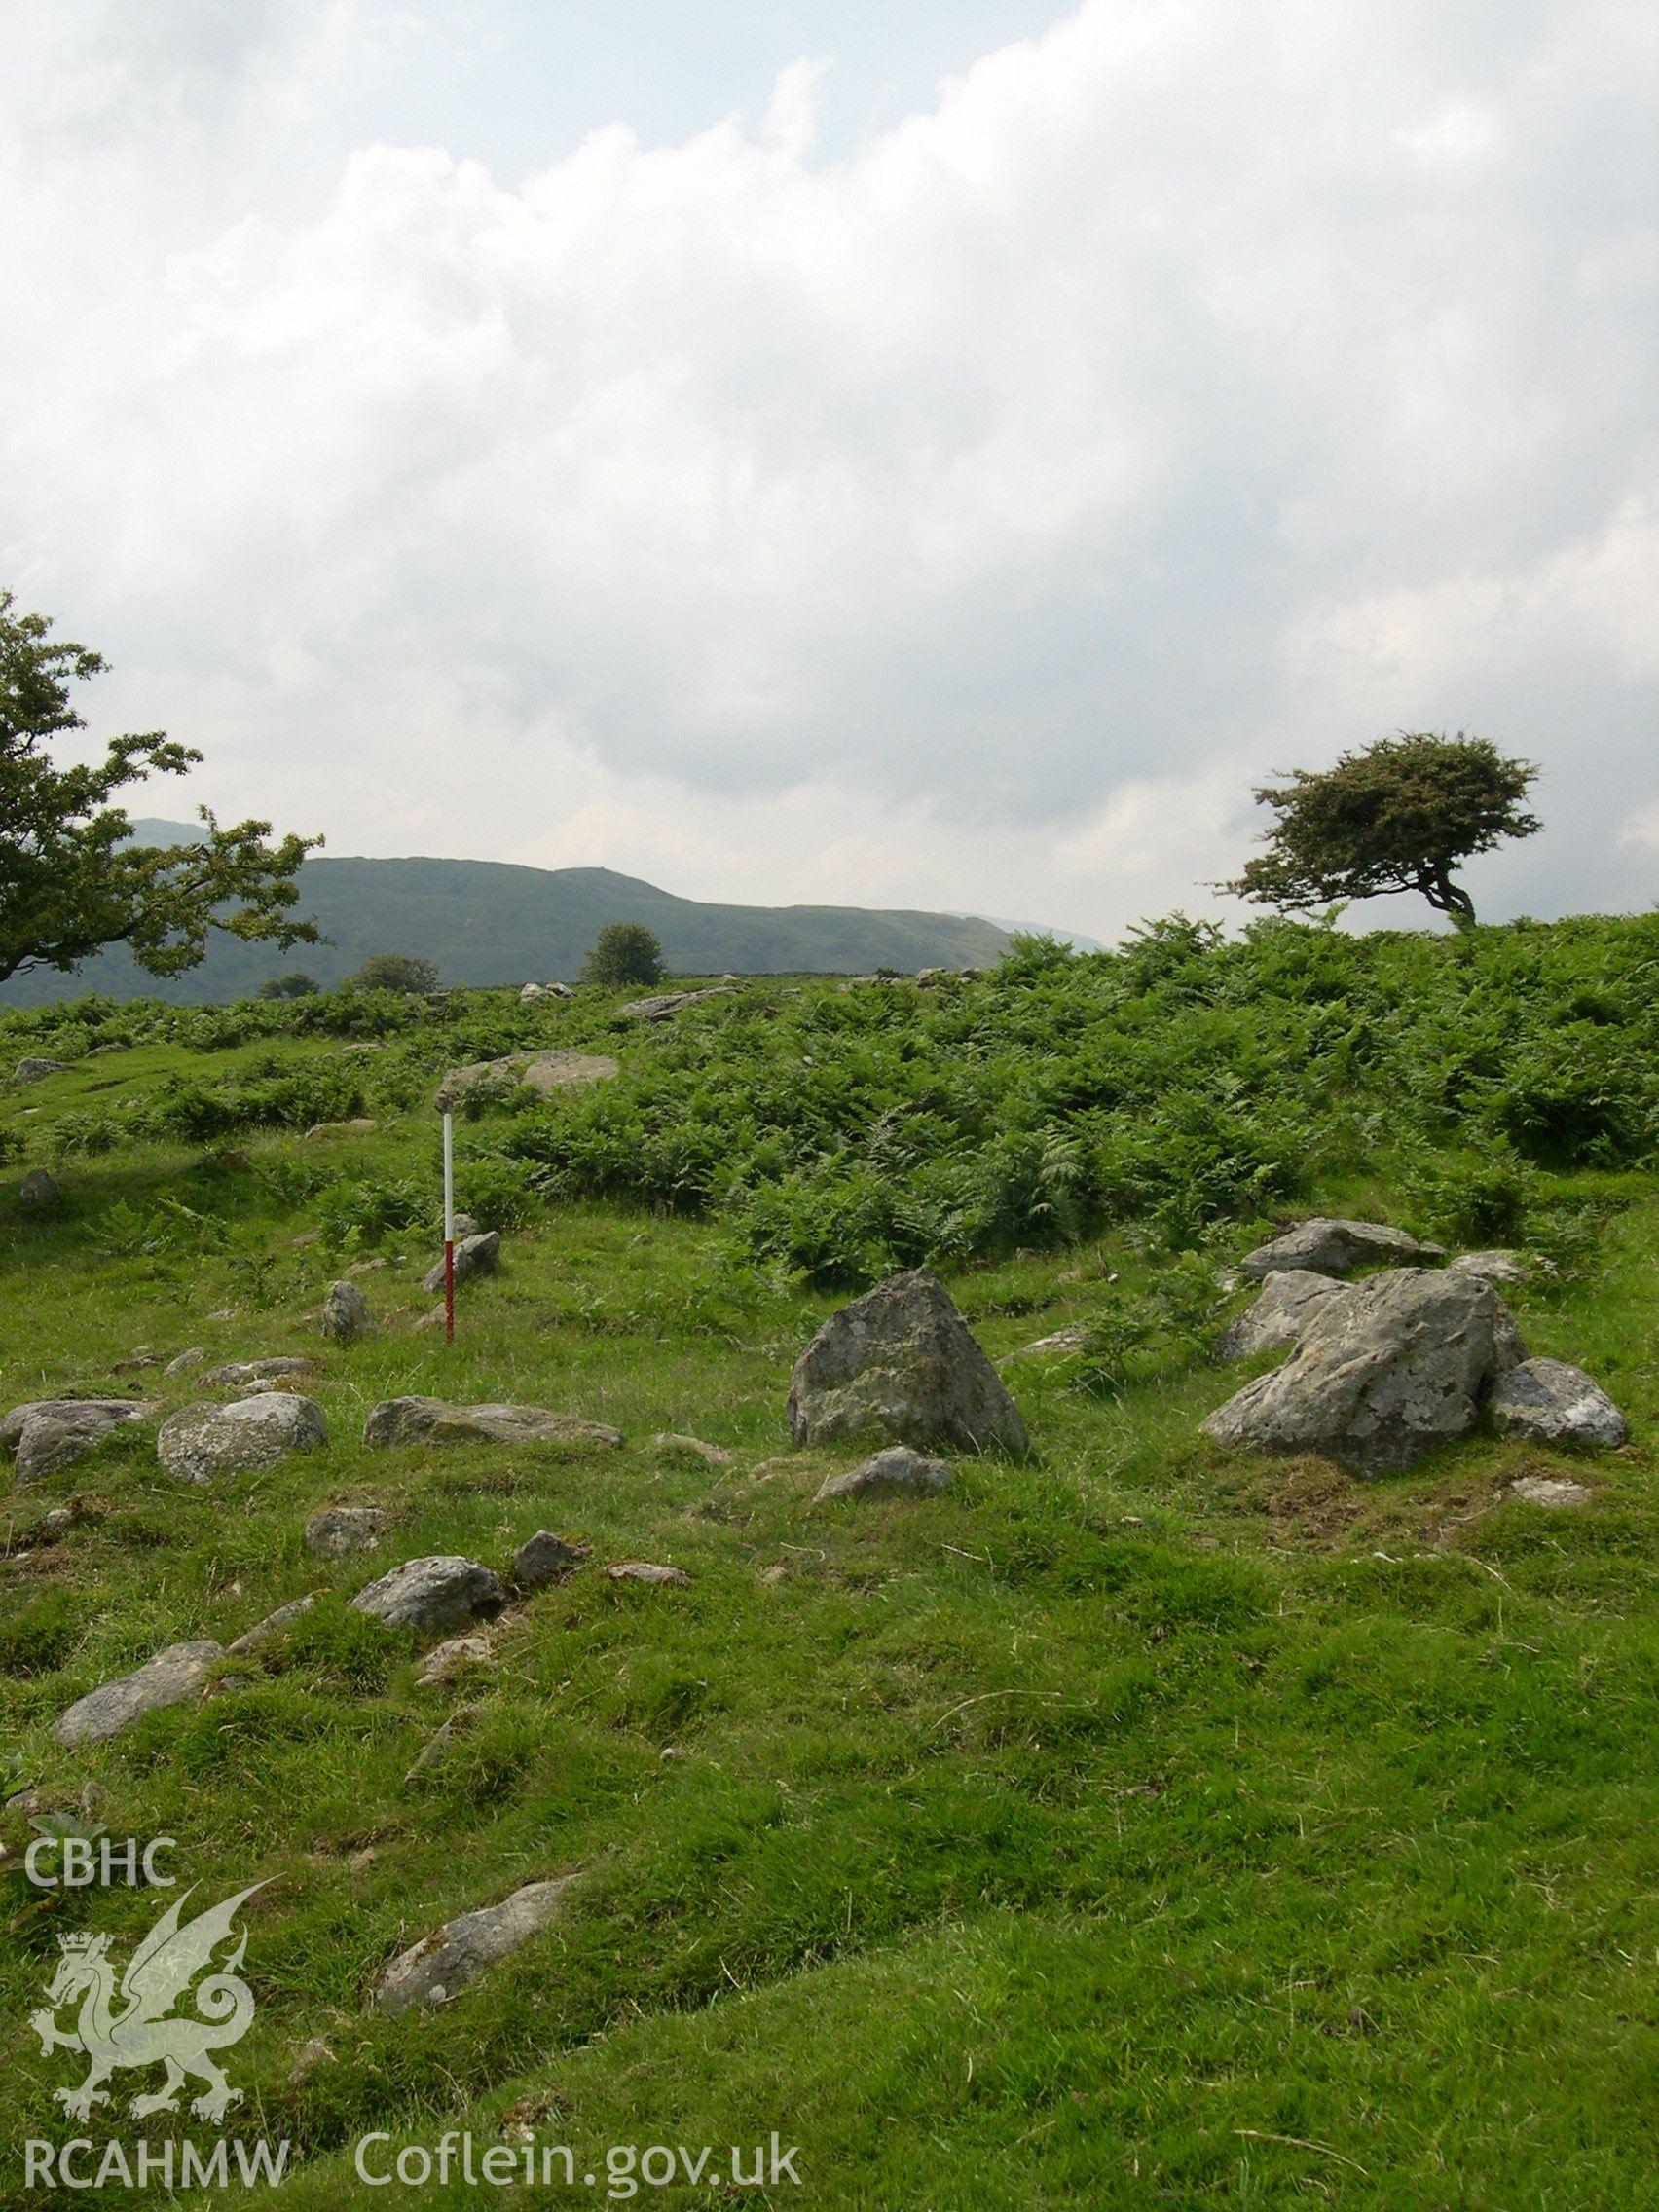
71	881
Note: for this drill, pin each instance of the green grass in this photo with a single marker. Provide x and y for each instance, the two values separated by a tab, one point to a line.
1139	1826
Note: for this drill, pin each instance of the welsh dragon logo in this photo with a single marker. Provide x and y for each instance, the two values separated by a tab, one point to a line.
135	2027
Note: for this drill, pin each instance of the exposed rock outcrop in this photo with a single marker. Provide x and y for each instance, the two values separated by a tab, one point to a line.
898	1364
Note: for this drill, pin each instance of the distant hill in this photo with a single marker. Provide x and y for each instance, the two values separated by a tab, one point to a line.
488	922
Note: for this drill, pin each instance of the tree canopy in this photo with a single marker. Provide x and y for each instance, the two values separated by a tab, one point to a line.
393	971
1399	814
71	880
624	953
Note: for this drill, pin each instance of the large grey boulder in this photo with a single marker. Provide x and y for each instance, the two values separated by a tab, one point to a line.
55	1436
346	1317
169	1679
201	1442
434	1420
1336	1247
894	1472
33	1067
105	1411
1548	1402
439	1592
1286	1305
899	1364
477	1255
441	1965
544	1073
1400	1364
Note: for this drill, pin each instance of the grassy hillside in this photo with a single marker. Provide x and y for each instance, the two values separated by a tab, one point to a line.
1139	1826
482	922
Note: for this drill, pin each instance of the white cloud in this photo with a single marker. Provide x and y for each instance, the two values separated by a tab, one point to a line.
970	521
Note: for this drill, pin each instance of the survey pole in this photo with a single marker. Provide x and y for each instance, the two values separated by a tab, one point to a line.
449	1228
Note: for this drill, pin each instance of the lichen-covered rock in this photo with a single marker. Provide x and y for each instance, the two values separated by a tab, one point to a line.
439	1592
441	1965
544	1559
169	1679
346	1315
33	1067
1336	1247
57	1436
334	1531
895	1472
434	1420
201	1442
272	1627
1553	1491
1493	1266
402	1420
648	1570
692	1449
1398	1365
1546	1401
1287	1302
542	1072
899	1364
237	1374
476	1255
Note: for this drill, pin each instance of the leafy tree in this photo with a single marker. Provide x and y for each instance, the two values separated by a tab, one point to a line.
624	953
70	879
393	971
1400	815
297	985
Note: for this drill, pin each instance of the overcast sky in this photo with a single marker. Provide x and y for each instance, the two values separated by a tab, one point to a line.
903	452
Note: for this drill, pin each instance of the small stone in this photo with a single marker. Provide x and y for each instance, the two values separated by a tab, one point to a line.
1549	1490
185	1361
896	1472
346	1317
1072	1337
321	1131
312	2053
1490	1267
1546	1401
334	1531
237	1374
169	1679
646	1570
444	1661
434	1749
442	1964
674	1446
478	1255
544	1559
201	1442
39	1191
440	1591
272	1627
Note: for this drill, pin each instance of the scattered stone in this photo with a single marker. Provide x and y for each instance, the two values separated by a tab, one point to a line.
1491	1266
421	1421
441	1965
32	1068
691	1447
201	1442
1549	1490
345	1317
1072	1337
434	1317
169	1679
334	1531
545	1559
667	1004
466	1225
1545	1401
927	978
312	2053
895	1472
475	1255
234	1162
441	1591
39	1191
542	1072
1398	1365
185	1361
444	1661
532	993
50	1433
646	1570
898	1364
360	1127
358	1268
271	1628
1287	1302
237	1374
1336	1247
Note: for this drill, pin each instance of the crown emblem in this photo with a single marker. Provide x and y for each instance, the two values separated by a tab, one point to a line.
83	1943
